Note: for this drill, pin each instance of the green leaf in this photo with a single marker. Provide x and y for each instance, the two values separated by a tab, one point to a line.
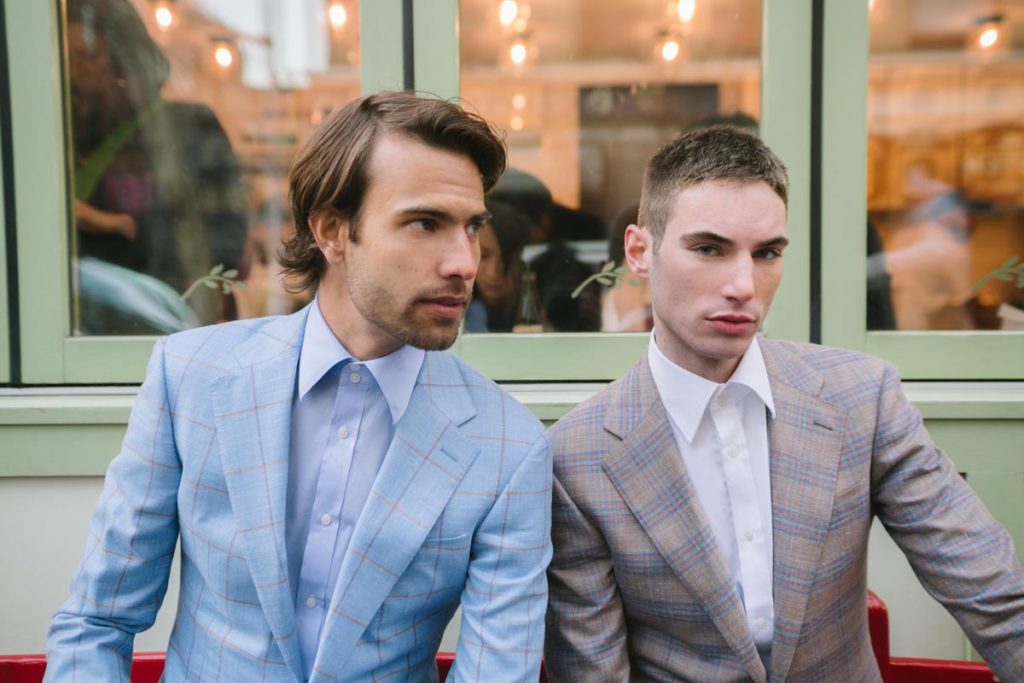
230	274
212	284
216	270
1010	261
238	284
604	280
610	266
226	288
1005	277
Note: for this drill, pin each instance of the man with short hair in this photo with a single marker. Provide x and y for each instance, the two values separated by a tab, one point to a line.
712	507
340	484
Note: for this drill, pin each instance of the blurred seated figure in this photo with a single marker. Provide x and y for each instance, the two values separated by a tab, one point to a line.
929	260
496	291
558	272
157	188
625	306
530	195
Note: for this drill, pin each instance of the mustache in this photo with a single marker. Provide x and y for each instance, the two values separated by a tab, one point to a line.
456	290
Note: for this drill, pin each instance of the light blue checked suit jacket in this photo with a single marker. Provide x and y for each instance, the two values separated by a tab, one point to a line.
459	514
639	591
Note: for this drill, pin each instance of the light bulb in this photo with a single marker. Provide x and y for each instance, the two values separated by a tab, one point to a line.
223	56
686	10
337	14
516	123
670	50
517	53
519	101
507	12
988	38
164	16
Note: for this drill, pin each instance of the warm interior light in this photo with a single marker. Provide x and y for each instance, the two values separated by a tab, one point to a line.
516	123
988	38
517	53
686	10
223	56
519	101
507	12
164	16
337	14
670	50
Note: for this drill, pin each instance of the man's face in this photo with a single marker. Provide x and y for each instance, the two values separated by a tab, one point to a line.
714	274
407	277
493	282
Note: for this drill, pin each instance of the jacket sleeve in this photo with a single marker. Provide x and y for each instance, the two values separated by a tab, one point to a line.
122	578
501	634
586	622
963	557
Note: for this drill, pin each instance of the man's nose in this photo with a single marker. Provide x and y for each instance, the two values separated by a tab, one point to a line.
461	256
739	286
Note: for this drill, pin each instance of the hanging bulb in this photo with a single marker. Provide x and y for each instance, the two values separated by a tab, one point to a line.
164	15
508	10
670	50
517	53
988	38
223	56
337	14
686	9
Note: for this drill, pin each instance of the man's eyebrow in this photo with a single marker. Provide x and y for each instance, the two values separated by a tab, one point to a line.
774	242
707	236
442	215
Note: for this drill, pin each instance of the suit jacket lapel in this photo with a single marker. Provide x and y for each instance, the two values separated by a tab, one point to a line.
805	440
252	408
649	474
421	470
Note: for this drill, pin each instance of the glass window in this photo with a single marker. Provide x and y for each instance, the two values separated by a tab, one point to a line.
946	165
184	117
587	91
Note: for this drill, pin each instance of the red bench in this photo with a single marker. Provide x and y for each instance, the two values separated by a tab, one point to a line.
147	666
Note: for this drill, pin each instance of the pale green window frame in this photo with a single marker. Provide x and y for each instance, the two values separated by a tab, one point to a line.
5	327
50	355
918	355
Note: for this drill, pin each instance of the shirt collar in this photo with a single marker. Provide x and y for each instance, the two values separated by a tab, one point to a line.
395	373
686	395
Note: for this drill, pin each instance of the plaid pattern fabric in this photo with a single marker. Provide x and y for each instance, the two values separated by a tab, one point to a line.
459	514
640	593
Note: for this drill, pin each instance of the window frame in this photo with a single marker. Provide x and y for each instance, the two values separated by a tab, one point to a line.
51	355
926	355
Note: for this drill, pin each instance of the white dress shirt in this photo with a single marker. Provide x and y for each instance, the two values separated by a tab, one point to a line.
343	417
721	431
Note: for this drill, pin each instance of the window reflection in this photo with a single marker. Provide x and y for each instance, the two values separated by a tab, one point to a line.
587	92
184	117
945	180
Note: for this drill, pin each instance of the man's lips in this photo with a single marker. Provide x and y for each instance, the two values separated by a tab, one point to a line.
733	323
446	306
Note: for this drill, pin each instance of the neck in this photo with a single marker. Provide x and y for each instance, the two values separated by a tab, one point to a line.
360	337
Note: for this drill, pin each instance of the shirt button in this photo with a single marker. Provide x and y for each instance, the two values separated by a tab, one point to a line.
325	519
734	453
311	601
760	624
749	535
343	433
354	378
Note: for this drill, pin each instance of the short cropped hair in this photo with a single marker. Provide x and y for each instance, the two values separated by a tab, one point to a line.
712	153
331	171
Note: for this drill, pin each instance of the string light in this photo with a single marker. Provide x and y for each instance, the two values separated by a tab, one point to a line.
337	14
686	9
988	38
508	11
519	101
670	50
516	123
517	53
164	16
223	56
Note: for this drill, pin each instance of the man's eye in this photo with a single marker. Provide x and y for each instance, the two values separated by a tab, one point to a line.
706	249
769	254
423	224
474	228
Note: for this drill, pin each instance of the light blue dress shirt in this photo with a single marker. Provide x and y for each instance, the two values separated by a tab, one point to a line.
343	417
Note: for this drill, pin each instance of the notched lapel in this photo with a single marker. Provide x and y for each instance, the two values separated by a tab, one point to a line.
424	465
252	410
648	472
806	439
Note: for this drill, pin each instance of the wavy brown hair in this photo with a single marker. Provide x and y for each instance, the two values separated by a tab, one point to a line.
331	170
713	153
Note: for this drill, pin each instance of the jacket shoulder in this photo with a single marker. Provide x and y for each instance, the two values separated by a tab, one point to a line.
213	346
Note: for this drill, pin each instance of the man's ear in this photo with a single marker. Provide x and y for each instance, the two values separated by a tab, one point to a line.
639	247
330	232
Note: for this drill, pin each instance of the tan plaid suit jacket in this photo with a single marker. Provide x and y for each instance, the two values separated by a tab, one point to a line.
638	590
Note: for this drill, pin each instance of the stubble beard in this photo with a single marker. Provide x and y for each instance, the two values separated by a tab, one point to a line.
380	307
